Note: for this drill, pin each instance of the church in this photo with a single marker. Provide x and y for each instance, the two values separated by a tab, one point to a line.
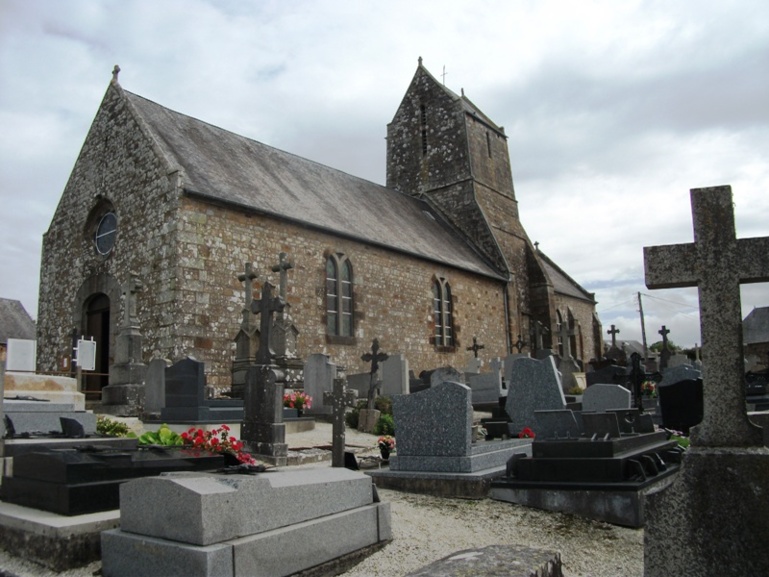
429	264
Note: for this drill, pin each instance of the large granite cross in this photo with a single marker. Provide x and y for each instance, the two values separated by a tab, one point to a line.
716	263
613	332
265	307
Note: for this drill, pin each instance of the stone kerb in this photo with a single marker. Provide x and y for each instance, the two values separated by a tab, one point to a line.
436	421
51	388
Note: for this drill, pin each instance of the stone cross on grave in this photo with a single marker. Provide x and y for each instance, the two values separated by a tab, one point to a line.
248	277
519	344
716	263
565	333
665	351
374	357
613	332
340	398
476	347
265	307
283	267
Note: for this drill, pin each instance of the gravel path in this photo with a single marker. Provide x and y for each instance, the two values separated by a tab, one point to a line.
427	528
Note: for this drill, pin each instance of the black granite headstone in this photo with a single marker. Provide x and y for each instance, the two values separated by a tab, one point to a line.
79	481
681	404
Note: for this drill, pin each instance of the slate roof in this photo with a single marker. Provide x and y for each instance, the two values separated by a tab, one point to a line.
15	322
755	326
563	283
221	166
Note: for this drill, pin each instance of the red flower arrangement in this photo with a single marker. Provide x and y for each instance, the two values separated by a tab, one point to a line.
526	433
297	400
217	441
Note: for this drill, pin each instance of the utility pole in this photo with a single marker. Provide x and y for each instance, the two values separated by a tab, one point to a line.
643	326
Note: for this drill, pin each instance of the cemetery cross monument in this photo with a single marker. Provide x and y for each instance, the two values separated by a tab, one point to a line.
714	517
717	263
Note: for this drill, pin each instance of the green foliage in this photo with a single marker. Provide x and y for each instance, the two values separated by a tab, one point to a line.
657	347
681	440
382	404
385	425
109	428
163	436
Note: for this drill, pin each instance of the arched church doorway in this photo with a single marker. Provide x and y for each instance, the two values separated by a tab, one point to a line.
97	326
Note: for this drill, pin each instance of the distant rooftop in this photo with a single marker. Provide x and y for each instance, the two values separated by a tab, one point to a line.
15	322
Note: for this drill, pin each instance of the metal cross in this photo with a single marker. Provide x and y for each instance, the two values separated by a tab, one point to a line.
374	357
519	344
476	347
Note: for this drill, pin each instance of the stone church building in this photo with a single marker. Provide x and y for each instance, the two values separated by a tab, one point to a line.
425	264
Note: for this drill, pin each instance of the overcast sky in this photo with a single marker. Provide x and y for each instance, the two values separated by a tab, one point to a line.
613	110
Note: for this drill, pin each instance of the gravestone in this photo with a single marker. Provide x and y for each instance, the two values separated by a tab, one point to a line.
76	481
473	367
247	339
186	400
681	404
319	375
713	519
281	523
603	397
368	417
486	390
557	424
434	433
444	374
533	385
124	396
155	388
679	359
262	428
395	375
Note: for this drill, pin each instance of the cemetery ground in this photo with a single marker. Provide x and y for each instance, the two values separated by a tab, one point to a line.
428	528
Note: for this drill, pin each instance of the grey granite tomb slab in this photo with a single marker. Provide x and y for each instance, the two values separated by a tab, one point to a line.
533	385
276	524
207	509
603	397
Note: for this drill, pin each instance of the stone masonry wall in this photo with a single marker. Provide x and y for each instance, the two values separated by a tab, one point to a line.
117	170
392	294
